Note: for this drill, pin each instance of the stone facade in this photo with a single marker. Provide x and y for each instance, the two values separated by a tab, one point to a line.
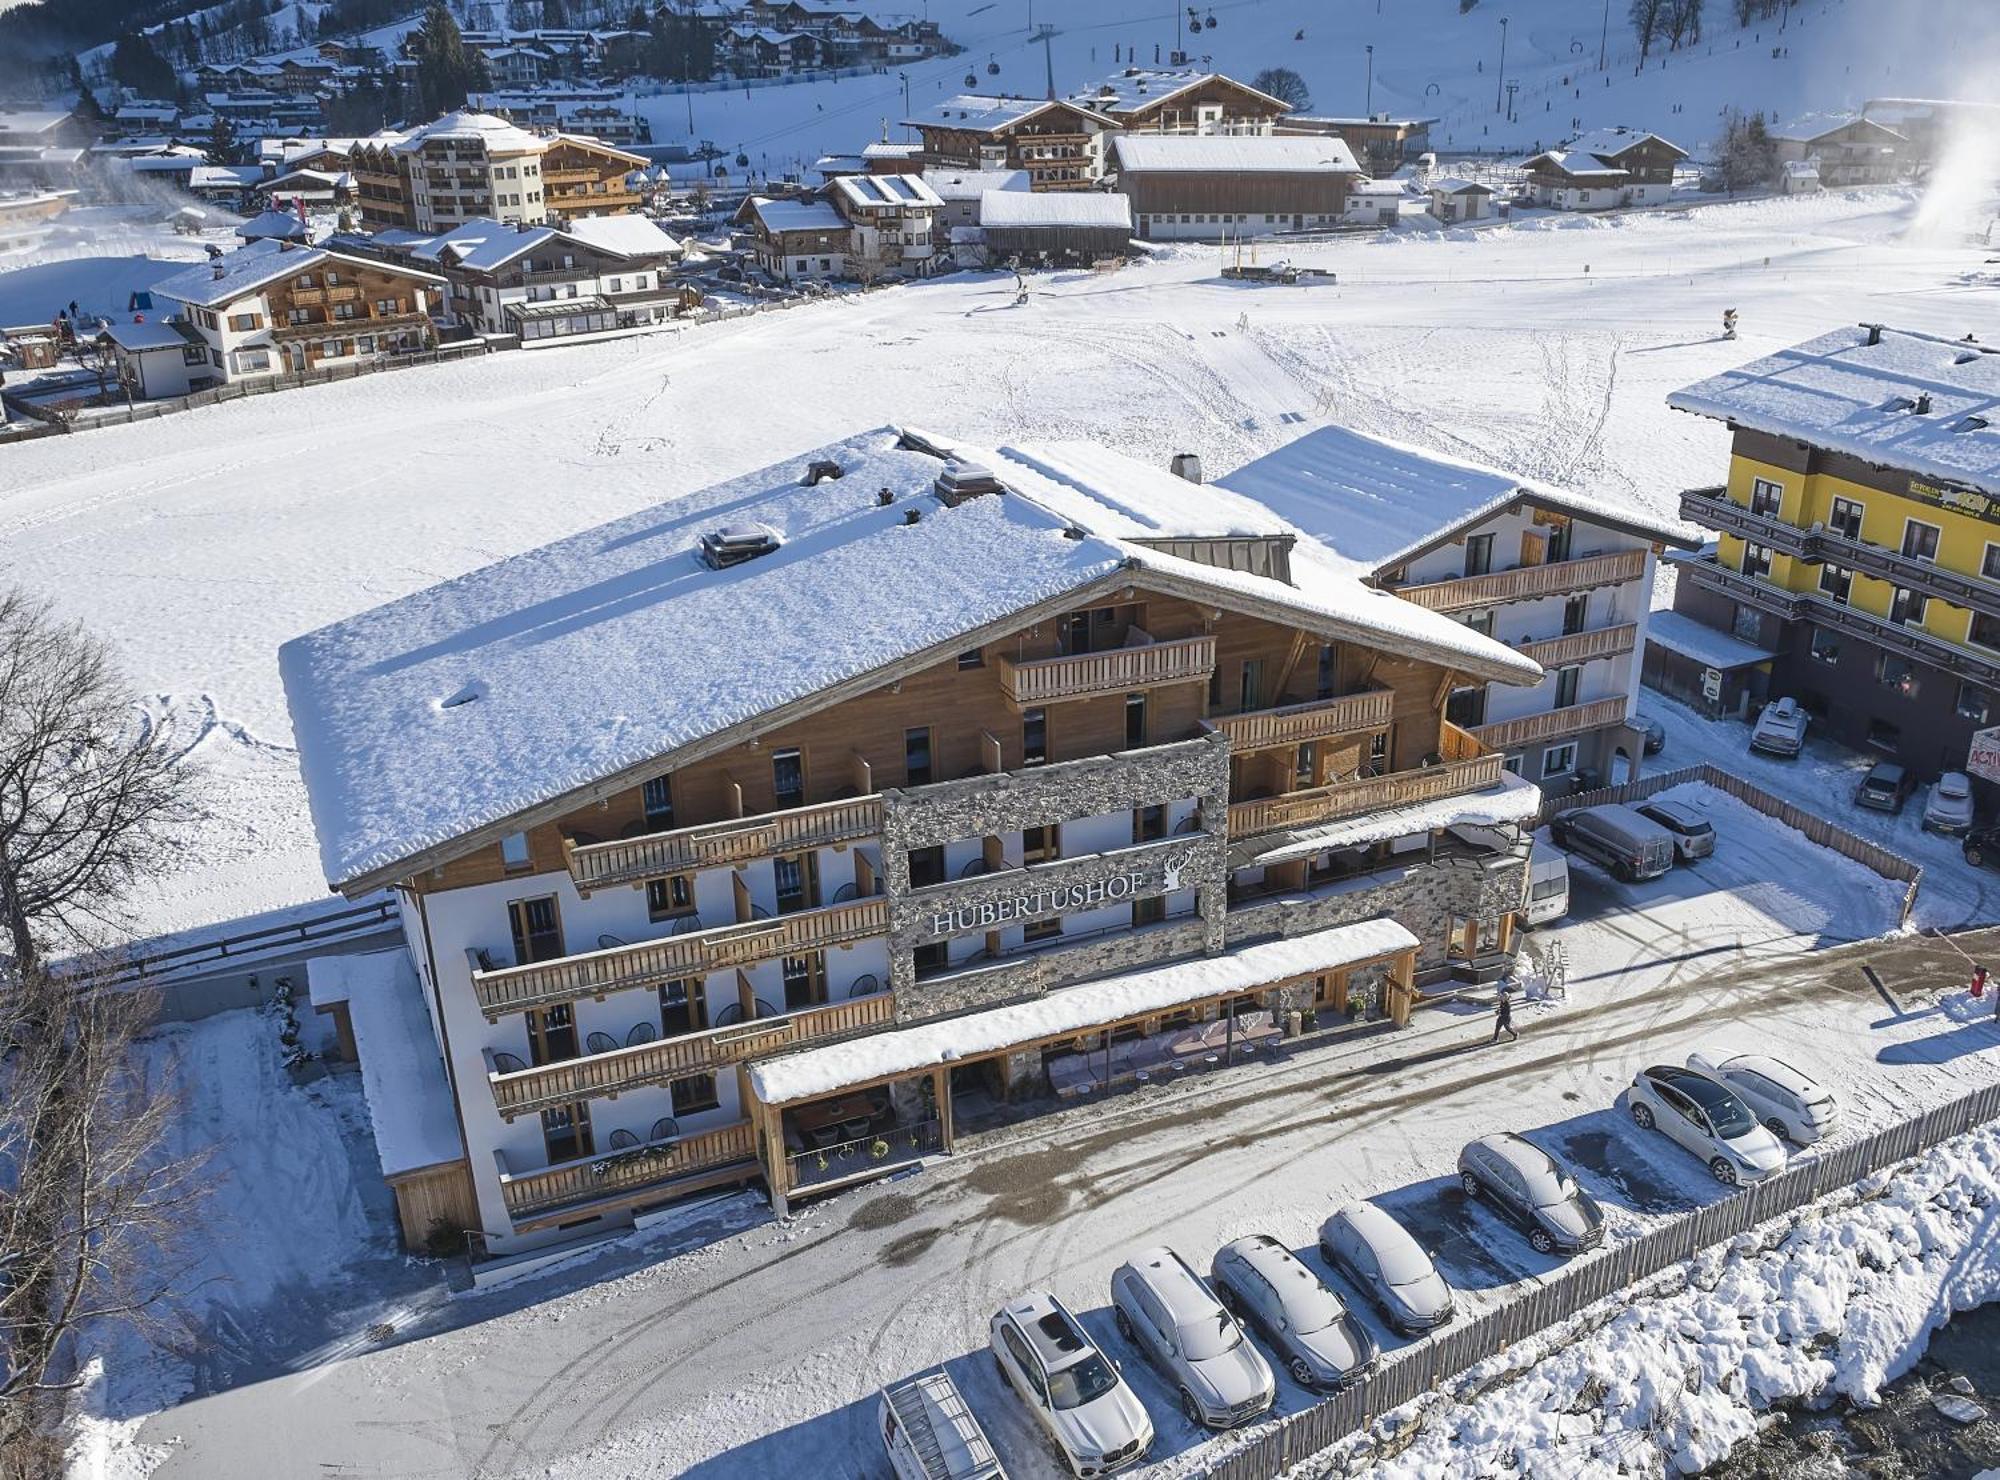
1030	975
1423	897
1045	891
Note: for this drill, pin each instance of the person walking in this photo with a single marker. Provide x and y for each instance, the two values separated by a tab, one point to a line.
1503	1016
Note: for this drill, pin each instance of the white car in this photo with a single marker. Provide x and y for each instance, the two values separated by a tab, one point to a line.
1780	729
1072	1388
1791	1105
1707	1118
1949	809
1168	1311
1388	1266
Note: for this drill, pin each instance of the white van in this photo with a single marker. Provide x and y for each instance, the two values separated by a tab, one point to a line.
929	1433
1548	885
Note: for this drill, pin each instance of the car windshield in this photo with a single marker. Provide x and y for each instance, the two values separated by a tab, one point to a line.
1951	785
1550	1189
1072	1387
1725	1112
1201	1340
1312	1308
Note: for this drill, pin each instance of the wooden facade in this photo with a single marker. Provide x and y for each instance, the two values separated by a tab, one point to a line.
1209	104
440	1198
1057	144
347	308
582	177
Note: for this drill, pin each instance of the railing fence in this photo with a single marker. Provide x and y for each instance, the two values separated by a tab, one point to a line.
1435	1363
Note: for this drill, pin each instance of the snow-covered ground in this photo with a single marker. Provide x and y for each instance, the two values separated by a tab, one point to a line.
197	543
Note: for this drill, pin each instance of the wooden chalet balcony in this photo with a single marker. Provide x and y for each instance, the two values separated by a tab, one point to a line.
1317	719
344	293
305	297
1454	776
647	964
1085	675
1583	647
711	844
1552	724
1526	582
594	1177
662	1061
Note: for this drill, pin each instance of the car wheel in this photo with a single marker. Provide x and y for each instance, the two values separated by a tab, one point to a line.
1302	1372
1642	1116
1191	1410
1622	872
1975	855
1777	1128
1469	1183
1124	1323
1540	1242
1725	1172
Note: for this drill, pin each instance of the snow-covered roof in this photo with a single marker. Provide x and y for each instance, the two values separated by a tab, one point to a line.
797	215
884	149
1682	634
250	267
402	1073
1374	502
1092	208
1234	154
497	134
1133	88
976	113
1110	493
1574	163
532	684
27	122
159	334
1384	189
1609	143
482	244
885	190
1809	128
1513	802
1800	168
971	184
1453	185
275	224
1845	394
628	235
823	1071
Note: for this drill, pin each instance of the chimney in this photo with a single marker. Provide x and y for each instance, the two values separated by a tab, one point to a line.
1923	406
218	271
1186	465
1874	334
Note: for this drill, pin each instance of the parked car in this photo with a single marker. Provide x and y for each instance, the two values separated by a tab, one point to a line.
1654	731
1616	838
1949	809
1075	1392
1982	847
1885	787
1780	729
1708	1119
929	1433
1168	1311
1694	835
1548	885
1792	1106
1532	1189
1266	1286
1378	1255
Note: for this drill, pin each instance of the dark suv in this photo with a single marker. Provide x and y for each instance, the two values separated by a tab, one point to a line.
1533	1190
1982	847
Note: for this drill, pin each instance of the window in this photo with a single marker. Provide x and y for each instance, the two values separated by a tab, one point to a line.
1920	540
798	882
1985	631
1378	752
1041	930
1567	680
693	1095
1894	671
1989	564
387	306
537	929
1250	685
330	349
1756	560
243	323
1478	554
1884	736
1559	760
788	778
1845	520
194	354
1576	613
1835	580
683	1007
1149	823
805	981
657	796
298	315
1511	765
917	757
552	1034
1135	721
1041	844
1825	646
1973	703
343	310
669	898
1466	708
1034	737
566	1132
1329	669
514	855
1907	606
972	658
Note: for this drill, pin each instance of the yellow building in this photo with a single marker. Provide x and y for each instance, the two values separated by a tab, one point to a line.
1858	561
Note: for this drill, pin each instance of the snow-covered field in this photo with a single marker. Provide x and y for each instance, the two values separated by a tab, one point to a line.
198	543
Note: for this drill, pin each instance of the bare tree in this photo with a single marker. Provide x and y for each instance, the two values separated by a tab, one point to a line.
1648	19
92	1209
90	796
1285	85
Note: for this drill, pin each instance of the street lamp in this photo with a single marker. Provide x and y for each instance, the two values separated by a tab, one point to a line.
1604	36
1368	110
1500	86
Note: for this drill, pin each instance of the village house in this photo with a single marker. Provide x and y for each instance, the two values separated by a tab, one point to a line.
797	239
41	149
601	113
1857	564
588	177
1055	229
1929	126
892	222
1455	201
1374	202
1562	578
1846	152
1060	145
1180	101
1184	187
959	193
1605	169
1099	762
159	358
275	306
1381	142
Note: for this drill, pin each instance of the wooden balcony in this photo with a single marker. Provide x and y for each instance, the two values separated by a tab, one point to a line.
1527	582
1552	724
608	1075
1317	719
1372	794
604	1177
344	293
1086	675
647	964
306	297
1583	647
714	844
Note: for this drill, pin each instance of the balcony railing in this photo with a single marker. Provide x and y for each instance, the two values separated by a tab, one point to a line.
1049	680
1552	724
306	296
1713	507
647	964
712	844
1583	647
1373	794
1318	719
664	1060
1527	582
593	1177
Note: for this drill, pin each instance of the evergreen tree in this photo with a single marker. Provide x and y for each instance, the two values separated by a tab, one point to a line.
221	142
446	70
137	64
1749	153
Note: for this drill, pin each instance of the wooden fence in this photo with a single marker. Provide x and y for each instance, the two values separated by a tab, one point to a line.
1435	1363
1827	834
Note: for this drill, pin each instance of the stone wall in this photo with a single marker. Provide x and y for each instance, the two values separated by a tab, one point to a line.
1030	975
1422	898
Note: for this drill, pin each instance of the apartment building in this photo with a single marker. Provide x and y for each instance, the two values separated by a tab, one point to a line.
780	832
892	220
1857	564
454	169
1152	100
1060	145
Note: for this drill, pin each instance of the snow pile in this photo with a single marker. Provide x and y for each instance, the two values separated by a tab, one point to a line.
1839	1306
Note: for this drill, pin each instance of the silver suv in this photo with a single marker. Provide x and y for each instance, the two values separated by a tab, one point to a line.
1263	1283
1166	1310
1070	1386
